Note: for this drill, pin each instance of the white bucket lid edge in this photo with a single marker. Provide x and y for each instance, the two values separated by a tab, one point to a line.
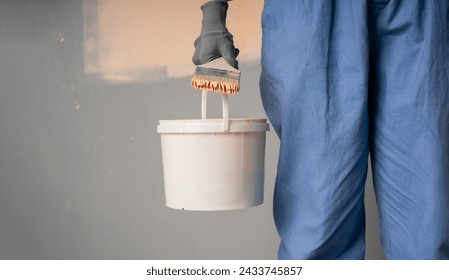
212	126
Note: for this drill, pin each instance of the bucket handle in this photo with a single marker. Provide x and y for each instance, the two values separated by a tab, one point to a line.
225	105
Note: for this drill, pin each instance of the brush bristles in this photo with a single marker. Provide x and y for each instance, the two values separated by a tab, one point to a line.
214	83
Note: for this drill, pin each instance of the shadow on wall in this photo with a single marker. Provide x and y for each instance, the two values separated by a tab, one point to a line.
145	41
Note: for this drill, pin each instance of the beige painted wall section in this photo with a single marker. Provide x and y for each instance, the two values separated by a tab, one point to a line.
149	40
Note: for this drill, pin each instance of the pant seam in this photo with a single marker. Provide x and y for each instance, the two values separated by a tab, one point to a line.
379	8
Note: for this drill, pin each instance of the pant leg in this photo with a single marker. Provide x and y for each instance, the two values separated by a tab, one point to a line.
314	86
410	128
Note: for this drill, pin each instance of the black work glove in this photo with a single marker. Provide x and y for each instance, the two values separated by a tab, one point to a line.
215	39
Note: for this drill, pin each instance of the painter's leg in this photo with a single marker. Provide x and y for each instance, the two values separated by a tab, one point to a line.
410	128
314	86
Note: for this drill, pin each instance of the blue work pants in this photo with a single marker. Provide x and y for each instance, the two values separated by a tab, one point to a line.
344	79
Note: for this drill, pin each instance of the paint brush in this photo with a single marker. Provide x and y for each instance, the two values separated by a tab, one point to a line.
217	75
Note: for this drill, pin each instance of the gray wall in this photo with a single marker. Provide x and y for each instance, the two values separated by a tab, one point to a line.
80	160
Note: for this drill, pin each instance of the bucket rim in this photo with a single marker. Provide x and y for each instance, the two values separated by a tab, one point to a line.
212	125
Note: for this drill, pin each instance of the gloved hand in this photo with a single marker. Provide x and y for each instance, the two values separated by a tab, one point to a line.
215	39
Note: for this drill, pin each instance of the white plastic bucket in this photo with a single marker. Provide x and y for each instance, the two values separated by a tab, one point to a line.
213	164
